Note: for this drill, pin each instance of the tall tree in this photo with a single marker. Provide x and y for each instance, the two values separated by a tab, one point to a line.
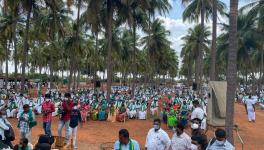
255	10
213	51
199	10
231	70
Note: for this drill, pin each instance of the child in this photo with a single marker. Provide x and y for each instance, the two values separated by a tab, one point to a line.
75	118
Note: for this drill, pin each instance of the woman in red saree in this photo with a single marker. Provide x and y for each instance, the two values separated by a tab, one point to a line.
122	113
84	111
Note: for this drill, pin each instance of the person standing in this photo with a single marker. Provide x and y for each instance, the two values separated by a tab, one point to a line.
180	140
250	108
220	142
65	116
198	113
125	143
47	109
157	139
25	122
75	118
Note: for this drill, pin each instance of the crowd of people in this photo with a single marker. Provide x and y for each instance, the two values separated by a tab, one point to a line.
178	107
158	139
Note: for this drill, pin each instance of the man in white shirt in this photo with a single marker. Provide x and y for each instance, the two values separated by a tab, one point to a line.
180	140
157	139
198	112
250	108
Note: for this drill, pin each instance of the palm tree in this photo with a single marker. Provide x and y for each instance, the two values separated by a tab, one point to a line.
248	43
199	9
6	36
134	13
191	46
155	43
256	10
231	70
14	10
28	6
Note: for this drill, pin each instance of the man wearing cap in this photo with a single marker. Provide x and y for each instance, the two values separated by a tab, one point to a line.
47	109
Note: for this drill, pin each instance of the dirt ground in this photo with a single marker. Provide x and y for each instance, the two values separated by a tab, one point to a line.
95	133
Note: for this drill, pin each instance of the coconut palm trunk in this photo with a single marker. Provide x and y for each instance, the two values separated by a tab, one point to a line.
213	51
14	25
109	47
231	70
25	49
6	61
134	57
262	66
200	50
78	78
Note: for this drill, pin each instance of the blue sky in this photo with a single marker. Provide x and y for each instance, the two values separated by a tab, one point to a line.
173	22
176	12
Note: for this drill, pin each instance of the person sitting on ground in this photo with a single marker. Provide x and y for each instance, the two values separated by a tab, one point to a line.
23	145
125	143
11	108
220	142
122	113
43	143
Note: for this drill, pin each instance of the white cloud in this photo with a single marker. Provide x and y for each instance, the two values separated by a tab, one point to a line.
177	30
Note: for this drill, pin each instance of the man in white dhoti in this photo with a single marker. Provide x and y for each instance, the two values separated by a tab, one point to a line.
157	139
250	108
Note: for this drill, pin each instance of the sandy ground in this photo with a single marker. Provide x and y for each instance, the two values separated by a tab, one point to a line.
95	133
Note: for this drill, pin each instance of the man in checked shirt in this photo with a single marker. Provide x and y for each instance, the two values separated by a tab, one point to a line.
65	116
47	109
